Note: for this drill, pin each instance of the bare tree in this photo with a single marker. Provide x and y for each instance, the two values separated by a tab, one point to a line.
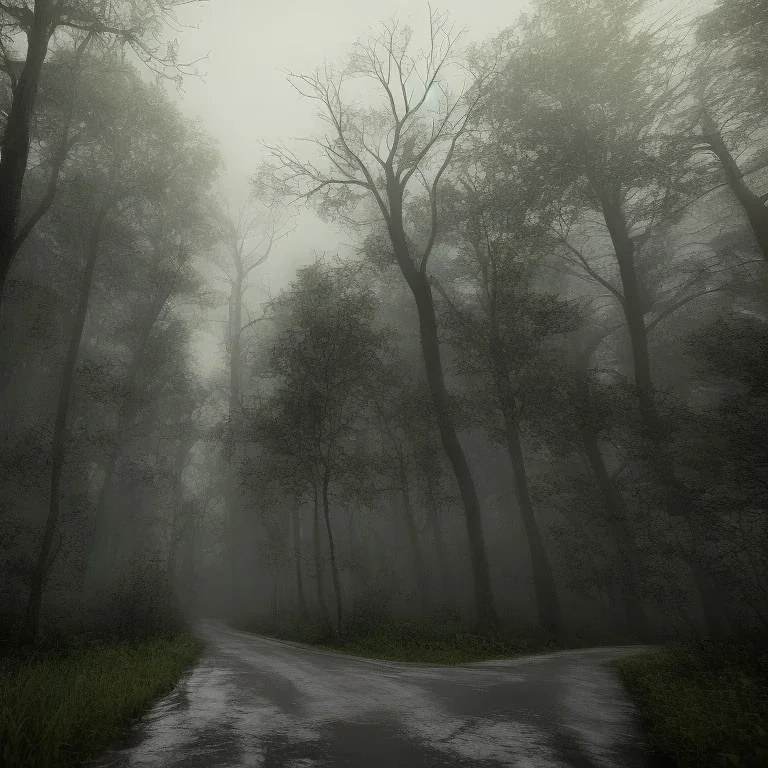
377	153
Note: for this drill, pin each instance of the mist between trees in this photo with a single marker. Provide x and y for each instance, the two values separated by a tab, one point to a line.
534	396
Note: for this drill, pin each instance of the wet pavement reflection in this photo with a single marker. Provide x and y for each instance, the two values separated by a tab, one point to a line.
253	701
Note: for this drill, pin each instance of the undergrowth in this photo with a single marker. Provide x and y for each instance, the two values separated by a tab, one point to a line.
704	703
61	708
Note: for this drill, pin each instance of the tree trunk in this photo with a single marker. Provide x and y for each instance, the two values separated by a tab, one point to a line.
632	306
173	544
486	610
631	590
413	537
14	149
23	231
418	282
231	497
443	561
752	204
125	418
544	584
332	552
657	455
326	617
297	561
173	548
58	445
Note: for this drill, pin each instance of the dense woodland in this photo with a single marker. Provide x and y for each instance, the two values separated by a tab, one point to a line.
534	394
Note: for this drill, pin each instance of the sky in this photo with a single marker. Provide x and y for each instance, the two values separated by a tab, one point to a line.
242	95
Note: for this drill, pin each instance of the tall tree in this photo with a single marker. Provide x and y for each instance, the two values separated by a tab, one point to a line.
247	240
590	90
378	154
325	360
728	118
133	22
141	146
499	326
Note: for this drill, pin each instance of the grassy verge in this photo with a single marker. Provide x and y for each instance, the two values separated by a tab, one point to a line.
450	642
59	709
704	704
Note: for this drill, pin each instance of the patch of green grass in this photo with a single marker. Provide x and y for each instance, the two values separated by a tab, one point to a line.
450	643
704	703
426	642
58	709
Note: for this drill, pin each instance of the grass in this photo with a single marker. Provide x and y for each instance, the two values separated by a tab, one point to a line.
61	708
426	642
704	703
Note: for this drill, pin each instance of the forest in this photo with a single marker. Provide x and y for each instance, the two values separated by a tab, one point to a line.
527	393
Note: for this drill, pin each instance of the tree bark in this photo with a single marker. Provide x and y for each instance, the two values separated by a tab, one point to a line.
631	591
413	538
418	282
544	583
14	148
58	445
486	610
752	204
443	561
332	552
326	617
632	306
296	524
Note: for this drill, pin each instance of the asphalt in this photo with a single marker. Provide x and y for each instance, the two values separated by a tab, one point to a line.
257	702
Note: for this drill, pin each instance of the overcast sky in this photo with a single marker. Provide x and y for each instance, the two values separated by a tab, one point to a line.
243	95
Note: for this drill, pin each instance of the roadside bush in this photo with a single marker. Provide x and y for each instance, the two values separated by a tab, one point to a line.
371	611
139	606
704	703
62	708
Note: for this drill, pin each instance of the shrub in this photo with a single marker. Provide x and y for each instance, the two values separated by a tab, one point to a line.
139	606
704	703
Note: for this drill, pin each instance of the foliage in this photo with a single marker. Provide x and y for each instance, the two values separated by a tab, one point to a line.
704	703
441	639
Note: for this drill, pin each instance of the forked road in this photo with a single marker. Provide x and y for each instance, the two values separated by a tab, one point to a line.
257	702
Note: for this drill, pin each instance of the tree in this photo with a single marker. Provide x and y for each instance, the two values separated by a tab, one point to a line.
398	417
377	154
729	114
143	146
590	91
132	22
173	233
577	409
499	321
742	25
247	241
324	359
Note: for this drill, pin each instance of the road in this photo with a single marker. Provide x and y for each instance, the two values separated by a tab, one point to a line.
257	702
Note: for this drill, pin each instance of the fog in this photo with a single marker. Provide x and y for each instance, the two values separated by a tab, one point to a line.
485	347
242	96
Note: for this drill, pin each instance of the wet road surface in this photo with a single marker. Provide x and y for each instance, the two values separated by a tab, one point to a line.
262	703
